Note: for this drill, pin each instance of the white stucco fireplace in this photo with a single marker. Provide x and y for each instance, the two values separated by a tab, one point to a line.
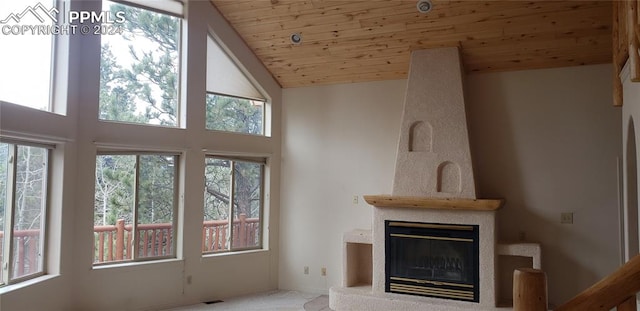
361	292
433	187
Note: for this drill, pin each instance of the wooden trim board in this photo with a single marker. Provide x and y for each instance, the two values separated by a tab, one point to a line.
434	203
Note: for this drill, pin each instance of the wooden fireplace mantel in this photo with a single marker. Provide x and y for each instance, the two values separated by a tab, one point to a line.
434	203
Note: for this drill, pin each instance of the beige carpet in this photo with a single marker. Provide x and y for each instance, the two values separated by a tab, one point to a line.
320	303
270	301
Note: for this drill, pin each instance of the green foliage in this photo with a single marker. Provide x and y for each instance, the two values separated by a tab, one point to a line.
30	188
232	114
156	189
116	102
146	90
115	186
247	177
217	189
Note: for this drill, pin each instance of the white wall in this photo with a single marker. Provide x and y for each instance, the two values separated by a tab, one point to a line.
338	141
548	142
545	140
630	113
73	282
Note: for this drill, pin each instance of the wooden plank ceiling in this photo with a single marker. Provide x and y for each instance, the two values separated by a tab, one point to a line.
357	41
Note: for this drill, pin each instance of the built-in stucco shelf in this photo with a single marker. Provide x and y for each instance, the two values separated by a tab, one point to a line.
358	258
435	203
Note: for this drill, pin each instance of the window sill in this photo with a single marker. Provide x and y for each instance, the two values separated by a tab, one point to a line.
13	287
137	264
235	253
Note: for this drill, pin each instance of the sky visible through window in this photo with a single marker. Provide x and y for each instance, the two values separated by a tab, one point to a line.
25	59
119	46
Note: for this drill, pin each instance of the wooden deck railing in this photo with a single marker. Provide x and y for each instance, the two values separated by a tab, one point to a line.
114	242
616	290
26	251
245	233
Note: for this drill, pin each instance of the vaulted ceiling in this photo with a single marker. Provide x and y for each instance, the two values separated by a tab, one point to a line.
357	41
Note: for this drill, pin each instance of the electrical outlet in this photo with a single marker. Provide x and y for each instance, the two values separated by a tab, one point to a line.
323	271
355	199
566	218
306	269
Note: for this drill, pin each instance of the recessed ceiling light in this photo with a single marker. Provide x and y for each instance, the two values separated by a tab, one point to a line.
296	38
424	6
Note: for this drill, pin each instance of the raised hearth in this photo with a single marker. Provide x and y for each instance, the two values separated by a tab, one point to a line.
359	294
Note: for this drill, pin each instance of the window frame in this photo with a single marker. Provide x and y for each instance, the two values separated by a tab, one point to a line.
152	5
266	100
9	222
263	162
54	44
135	257
180	73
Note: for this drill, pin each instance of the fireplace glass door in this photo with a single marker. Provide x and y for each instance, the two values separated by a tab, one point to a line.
435	260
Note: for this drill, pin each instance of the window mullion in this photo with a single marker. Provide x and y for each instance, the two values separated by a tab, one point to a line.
176	198
264	118
232	191
134	225
44	212
261	207
9	212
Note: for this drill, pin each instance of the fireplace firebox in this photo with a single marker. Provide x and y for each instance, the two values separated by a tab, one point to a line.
433	260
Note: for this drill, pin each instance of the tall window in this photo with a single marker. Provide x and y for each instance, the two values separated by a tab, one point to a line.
26	55
234	104
233	204
23	206
135	206
139	67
